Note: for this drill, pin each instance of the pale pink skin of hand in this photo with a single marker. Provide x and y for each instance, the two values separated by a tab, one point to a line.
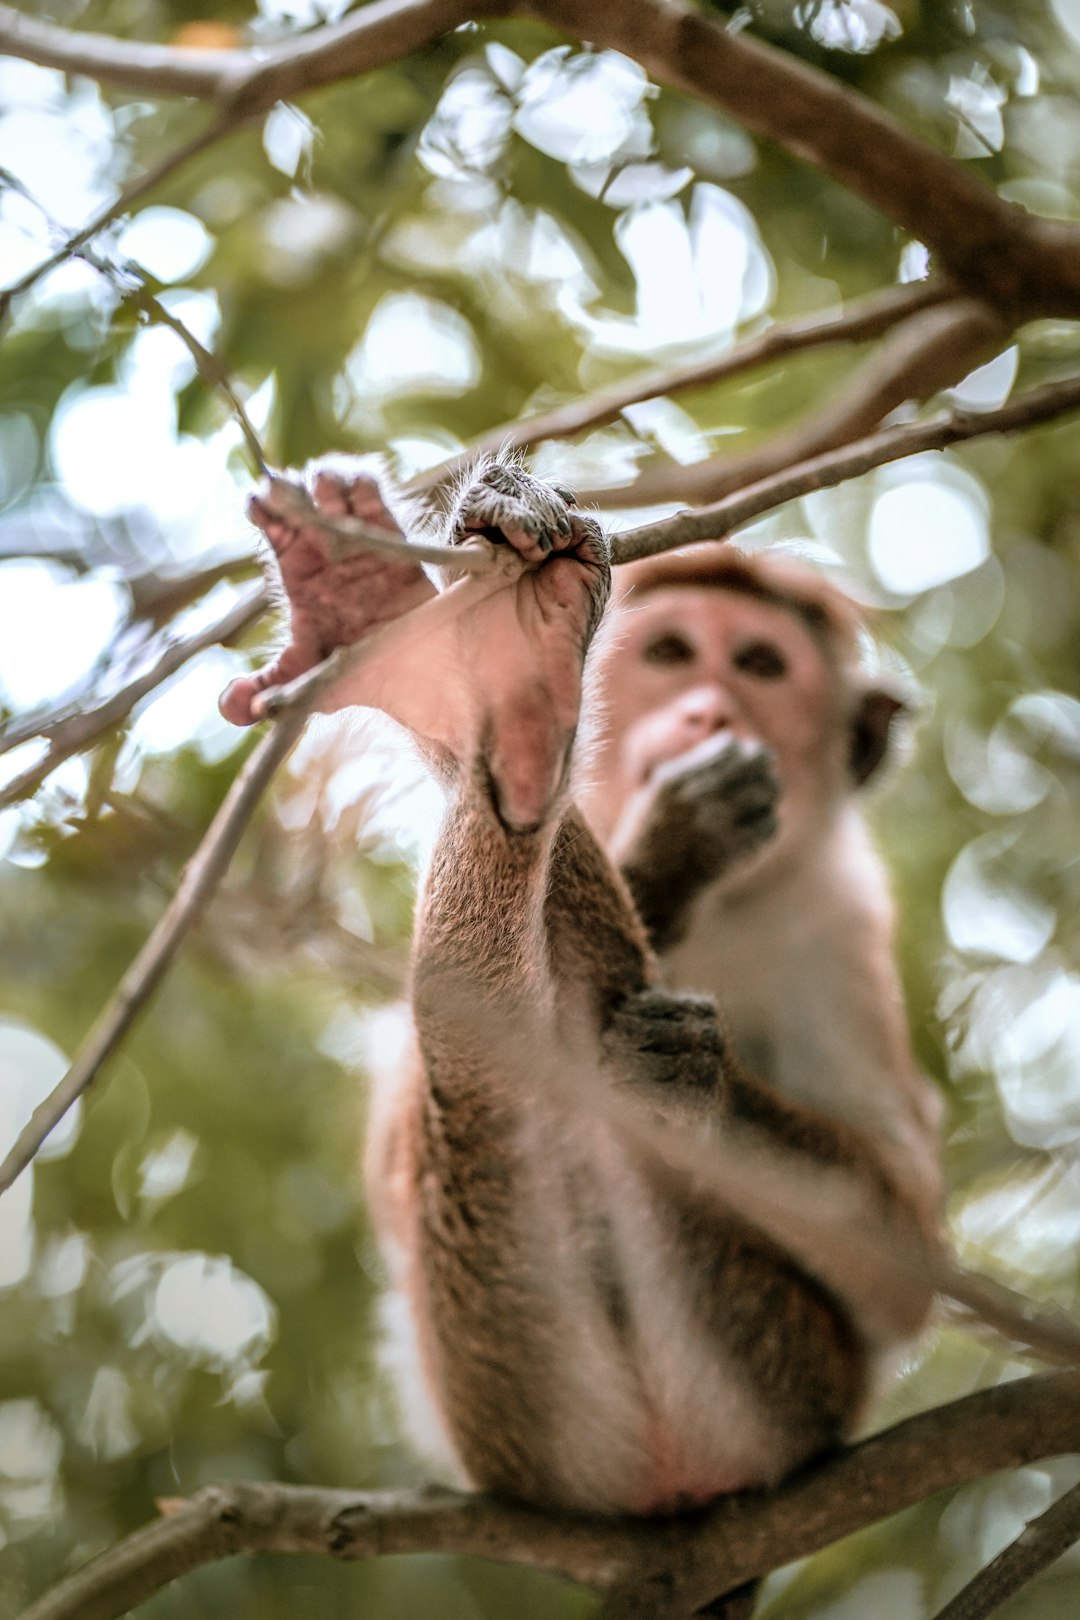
332	602
490	666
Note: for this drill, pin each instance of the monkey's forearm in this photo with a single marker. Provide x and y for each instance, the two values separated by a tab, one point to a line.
664	884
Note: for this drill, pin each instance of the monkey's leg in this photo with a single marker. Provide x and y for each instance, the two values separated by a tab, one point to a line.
499	1281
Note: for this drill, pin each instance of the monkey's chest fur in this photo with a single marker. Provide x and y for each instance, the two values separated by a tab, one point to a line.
593	1339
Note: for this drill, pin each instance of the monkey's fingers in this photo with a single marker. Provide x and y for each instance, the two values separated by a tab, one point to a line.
243	702
507	505
340	490
333	600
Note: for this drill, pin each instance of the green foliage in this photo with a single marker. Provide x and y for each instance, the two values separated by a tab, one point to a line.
219	1161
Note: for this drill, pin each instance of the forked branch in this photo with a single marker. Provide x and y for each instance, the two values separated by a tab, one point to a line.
1035	406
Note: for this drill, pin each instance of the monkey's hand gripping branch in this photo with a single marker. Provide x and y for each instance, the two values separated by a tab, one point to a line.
511	630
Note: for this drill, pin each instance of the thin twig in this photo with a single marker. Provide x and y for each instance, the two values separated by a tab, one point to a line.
857	321
207	364
121	203
132	286
70	731
200	878
1041	1543
737	1539
715	522
925	353
1046	1329
291	501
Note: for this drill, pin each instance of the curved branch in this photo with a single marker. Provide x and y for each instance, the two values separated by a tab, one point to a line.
201	877
244	82
824	472
926	353
69	732
739	1538
988	245
855	322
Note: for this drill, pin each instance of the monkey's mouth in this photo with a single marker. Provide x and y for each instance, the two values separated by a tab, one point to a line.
677	761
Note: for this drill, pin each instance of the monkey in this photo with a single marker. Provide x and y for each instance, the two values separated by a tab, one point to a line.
741	727
593	1325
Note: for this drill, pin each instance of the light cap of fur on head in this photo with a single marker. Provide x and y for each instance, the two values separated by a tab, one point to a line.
836	621
827	611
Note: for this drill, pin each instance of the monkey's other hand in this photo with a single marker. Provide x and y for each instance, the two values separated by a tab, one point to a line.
527	641
718	801
699	815
336	592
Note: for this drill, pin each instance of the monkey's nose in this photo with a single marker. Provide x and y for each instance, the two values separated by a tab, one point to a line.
707	709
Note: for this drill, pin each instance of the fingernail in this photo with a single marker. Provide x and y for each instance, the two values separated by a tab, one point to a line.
544	543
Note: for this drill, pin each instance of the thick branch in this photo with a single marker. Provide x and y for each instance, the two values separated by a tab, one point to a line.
857	321
244	82
1040	1544
744	1536
69	732
823	472
201	876
989	246
925	354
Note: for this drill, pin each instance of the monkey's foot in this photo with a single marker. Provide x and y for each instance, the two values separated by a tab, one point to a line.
336	593
527	641
699	815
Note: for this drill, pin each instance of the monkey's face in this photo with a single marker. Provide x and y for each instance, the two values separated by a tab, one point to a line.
687	663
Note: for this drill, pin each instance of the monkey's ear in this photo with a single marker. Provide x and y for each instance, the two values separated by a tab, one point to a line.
875	712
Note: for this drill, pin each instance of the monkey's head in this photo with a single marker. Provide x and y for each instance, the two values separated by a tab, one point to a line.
711	641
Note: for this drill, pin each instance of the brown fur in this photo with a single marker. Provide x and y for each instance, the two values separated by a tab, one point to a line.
591	1328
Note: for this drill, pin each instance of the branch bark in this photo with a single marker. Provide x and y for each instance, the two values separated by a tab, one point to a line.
995	250
201	877
737	1539
715	522
924	354
857	321
1040	1544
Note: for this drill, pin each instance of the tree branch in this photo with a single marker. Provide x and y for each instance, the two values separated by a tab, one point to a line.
291	501
1040	1544
201	876
823	472
210	368
988	245
924	354
244	82
993	248
699	1555
120	204
855	322
70	731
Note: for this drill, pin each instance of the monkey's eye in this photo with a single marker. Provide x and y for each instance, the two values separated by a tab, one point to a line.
668	649
761	659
